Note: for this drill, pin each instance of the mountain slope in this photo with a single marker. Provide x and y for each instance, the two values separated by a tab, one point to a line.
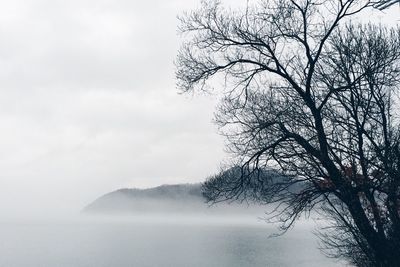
164	198
185	197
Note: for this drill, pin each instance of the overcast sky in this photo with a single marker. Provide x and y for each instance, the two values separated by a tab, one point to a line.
88	103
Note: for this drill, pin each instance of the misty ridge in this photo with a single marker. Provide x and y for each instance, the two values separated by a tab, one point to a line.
177	198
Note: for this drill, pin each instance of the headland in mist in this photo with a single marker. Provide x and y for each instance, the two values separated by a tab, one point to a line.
165	199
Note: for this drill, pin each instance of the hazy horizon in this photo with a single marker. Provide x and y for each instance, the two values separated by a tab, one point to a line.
89	104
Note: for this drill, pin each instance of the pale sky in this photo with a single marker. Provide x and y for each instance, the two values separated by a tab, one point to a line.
88	103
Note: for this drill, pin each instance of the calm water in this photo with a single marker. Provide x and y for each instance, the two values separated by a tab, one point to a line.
156	243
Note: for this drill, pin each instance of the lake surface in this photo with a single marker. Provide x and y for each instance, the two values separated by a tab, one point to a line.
155	242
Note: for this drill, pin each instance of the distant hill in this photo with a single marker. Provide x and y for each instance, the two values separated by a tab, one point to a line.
186	198
164	198
177	198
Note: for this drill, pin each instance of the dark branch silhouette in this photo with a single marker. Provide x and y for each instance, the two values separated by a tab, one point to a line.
384	4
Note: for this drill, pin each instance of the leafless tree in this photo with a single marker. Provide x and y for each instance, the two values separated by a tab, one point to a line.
314	97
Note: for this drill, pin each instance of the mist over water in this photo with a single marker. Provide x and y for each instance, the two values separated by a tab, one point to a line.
157	239
165	226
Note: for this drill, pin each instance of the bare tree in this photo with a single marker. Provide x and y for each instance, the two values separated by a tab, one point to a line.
314	98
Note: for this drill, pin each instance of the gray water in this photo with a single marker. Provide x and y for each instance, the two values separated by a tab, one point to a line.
152	243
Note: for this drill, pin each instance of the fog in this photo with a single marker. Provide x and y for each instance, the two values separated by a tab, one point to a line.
161	233
88	103
144	243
